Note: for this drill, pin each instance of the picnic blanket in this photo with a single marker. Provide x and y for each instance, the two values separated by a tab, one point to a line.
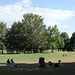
3	65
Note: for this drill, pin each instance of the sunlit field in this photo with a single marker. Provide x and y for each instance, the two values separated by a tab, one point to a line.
28	64
34	58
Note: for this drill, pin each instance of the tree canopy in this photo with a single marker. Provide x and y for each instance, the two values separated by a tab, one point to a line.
32	35
28	34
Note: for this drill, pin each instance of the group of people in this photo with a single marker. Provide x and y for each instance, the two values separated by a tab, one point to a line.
50	64
10	63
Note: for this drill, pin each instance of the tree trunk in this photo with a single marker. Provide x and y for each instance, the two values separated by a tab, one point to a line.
31	50
2	51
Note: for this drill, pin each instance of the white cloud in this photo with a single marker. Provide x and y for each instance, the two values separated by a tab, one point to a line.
52	17
26	2
64	26
14	12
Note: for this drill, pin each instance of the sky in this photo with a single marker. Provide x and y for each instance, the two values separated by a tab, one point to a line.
54	12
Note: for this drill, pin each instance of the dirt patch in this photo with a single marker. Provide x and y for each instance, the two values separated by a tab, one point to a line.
54	61
69	60
27	62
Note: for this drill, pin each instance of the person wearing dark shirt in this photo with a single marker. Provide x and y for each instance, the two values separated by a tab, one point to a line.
8	63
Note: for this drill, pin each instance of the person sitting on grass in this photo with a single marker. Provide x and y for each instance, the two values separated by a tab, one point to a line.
49	64
41	62
58	64
8	63
12	63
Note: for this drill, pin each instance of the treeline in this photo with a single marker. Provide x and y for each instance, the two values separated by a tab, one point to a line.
32	35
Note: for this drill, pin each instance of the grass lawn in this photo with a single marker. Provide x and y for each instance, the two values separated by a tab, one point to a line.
28	64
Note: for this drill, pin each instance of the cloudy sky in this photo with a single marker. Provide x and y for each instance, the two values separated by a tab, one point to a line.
59	12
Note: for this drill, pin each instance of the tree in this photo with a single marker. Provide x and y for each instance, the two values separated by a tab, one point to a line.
35	30
53	37
66	39
72	41
27	35
3	31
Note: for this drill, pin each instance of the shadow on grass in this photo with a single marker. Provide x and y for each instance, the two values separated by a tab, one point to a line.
33	69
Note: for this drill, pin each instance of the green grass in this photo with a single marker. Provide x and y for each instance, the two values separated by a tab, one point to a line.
28	64
34	58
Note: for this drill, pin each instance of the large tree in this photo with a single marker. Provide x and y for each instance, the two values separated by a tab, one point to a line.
53	37
65	37
28	34
3	31
72	41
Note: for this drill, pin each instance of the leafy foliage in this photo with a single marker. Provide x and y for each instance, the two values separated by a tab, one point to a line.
53	37
32	35
3	31
27	35
72	41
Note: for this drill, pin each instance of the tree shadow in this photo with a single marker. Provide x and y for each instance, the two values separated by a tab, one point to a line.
33	69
